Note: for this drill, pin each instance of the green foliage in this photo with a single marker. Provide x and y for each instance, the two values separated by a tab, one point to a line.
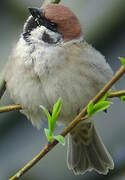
55	112
90	108
104	98
52	122
101	105
122	98
122	61
60	139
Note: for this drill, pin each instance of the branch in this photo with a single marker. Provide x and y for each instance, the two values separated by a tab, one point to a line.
116	94
82	116
14	107
10	108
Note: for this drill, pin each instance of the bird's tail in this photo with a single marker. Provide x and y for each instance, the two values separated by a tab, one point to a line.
87	152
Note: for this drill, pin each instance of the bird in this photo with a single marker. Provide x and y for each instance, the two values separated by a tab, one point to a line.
50	60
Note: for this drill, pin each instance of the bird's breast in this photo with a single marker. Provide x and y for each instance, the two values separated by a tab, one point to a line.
40	75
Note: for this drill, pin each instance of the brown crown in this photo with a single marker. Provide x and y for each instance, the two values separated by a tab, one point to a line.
67	22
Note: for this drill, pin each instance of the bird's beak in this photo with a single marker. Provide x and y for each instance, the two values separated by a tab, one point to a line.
36	12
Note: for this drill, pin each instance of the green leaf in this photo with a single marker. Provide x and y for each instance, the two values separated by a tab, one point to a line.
49	119
49	137
57	106
122	98
46	112
90	108
122	61
104	98
101	106
52	121
60	138
55	113
95	108
46	132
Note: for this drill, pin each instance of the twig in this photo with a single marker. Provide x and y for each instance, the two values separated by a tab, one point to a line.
116	94
10	108
14	107
82	116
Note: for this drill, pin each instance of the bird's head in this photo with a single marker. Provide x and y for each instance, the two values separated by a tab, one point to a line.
52	24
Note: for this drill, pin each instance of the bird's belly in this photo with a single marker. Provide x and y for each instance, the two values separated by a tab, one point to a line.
45	81
75	89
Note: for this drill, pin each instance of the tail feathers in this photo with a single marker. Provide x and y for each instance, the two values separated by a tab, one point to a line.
87	157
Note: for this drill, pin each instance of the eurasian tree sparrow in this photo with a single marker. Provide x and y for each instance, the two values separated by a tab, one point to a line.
52	60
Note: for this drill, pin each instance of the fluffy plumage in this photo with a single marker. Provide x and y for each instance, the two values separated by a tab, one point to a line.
40	72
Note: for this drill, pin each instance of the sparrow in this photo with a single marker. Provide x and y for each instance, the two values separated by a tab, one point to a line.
52	60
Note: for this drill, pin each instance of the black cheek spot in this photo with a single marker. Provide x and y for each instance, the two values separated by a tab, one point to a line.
46	38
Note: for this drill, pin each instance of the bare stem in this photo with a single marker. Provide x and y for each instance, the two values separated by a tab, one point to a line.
10	108
82	116
14	107
116	94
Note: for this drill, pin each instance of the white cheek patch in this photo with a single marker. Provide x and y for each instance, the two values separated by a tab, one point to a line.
39	33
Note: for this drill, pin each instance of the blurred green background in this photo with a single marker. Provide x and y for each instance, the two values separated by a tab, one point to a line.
103	23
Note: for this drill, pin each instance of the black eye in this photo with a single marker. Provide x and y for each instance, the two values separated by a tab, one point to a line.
52	26
51	40
46	38
48	24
